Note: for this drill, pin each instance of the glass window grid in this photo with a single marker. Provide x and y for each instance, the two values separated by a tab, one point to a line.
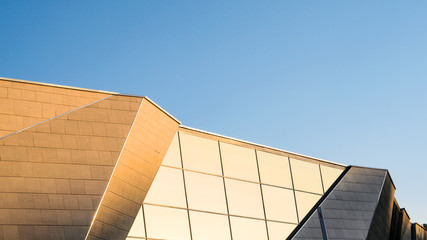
224	177
264	184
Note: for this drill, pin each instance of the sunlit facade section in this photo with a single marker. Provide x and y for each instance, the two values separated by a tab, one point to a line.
209	188
88	164
306	176
329	175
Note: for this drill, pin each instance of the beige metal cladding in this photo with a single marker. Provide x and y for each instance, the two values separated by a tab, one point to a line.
139	161
23	104
53	175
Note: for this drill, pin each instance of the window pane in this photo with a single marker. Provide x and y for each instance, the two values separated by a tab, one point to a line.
329	175
167	188
279	231
279	204
248	229
208	226
239	162
166	223
306	176
137	229
200	154
172	157
305	202
274	169
244	199
205	192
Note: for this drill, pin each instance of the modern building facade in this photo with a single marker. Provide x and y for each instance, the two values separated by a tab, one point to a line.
85	164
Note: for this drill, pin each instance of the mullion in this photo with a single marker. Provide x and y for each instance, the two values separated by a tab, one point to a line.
262	195
225	191
185	188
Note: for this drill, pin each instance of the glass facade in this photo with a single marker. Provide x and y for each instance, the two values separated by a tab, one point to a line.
208	189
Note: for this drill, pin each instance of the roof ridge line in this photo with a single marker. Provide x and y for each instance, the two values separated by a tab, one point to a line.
57	85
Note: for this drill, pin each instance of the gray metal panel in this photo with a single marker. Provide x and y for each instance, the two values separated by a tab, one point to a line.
349	208
406	228
380	226
312	229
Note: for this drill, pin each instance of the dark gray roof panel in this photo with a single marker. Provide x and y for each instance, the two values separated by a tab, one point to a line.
349	208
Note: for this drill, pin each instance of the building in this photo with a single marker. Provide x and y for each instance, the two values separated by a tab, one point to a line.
85	164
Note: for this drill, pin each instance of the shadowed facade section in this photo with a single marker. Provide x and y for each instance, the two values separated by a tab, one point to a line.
53	175
419	232
349	209
140	159
382	219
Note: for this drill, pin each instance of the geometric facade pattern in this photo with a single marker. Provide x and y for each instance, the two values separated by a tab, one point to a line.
24	104
210	188
137	165
360	205
55	173
348	210
86	164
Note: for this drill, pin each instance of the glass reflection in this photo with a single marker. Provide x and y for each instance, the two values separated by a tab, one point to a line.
167	188
248	229
173	157
200	154
279	204
208	226
305	201
329	175
166	223
239	162
137	229
279	231
244	199
205	192
306	176
274	169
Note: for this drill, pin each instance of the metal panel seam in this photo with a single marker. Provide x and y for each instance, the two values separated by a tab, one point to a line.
60	115
112	173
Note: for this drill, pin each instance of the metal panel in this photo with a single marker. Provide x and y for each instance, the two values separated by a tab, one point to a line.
53	175
23	104
140	159
349	207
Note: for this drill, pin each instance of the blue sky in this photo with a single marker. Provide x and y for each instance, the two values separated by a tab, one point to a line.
344	81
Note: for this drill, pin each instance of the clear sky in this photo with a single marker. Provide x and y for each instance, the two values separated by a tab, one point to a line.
340	80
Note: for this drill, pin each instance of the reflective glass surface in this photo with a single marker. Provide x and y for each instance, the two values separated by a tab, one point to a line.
137	229
172	157
279	231
239	162
248	229
305	201
274	169
244	199
207	198
329	175
306	176
200	154
279	204
166	223
167	188
205	192
206	226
